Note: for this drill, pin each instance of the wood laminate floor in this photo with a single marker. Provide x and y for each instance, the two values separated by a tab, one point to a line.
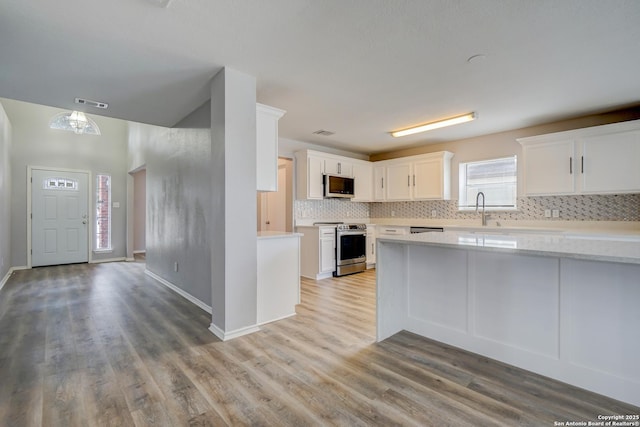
104	344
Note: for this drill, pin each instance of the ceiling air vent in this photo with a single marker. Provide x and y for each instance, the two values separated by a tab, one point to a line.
323	132
91	103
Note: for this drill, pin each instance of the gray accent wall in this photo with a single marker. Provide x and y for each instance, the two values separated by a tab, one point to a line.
34	144
5	193
178	203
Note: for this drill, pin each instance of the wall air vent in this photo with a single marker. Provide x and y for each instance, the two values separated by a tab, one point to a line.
102	105
323	132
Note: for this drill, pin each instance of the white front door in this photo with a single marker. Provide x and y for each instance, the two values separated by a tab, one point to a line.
60	223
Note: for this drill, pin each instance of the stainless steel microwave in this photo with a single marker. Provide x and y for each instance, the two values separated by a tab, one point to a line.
338	186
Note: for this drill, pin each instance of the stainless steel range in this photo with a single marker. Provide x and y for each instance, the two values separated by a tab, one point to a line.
351	252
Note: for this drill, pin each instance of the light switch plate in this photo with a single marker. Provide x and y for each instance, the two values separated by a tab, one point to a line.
116	205
547	213
555	213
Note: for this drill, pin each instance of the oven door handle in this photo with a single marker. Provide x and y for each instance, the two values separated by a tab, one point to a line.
351	233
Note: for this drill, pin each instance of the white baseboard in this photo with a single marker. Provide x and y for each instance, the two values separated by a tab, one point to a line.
6	277
279	318
130	259
99	261
226	336
143	251
179	291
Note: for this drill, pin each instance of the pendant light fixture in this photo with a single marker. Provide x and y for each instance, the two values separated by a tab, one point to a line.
76	122
435	125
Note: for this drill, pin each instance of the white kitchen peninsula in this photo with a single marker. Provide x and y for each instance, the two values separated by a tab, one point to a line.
561	305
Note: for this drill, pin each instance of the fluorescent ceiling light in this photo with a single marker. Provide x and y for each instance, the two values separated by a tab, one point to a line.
435	125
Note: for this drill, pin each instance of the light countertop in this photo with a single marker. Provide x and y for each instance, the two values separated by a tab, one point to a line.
597	247
277	235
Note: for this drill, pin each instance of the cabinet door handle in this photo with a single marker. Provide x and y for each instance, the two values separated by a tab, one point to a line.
382	179
339	168
408	180
372	248
570	165
581	164
414	180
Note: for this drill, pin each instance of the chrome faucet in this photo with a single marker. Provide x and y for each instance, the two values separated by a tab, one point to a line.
484	217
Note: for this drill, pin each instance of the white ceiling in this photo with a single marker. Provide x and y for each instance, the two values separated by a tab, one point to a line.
360	68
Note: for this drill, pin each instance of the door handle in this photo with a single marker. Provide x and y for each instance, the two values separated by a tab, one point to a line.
84	221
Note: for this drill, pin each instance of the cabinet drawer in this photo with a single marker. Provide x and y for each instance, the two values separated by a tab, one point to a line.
327	233
381	230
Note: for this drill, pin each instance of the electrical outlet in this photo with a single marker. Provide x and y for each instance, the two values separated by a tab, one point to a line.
434	213
555	213
393	213
547	213
175	266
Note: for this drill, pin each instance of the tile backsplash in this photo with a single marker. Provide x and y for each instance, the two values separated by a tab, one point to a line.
610	207
330	209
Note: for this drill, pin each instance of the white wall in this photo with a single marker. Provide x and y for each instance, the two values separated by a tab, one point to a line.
286	148
139	210
178	203
5	194
33	143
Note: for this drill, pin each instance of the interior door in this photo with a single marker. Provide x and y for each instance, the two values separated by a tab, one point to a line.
277	203
59	225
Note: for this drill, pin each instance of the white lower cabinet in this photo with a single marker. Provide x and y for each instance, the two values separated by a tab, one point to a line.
573	320
391	230
371	245
327	251
318	251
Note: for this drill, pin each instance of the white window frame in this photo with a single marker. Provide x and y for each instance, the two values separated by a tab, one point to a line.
109	247
470	205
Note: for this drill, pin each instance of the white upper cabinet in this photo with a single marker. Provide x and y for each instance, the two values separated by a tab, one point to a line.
334	166
432	177
423	177
379	189
595	160
311	166
399	181
363	182
309	171
267	147
611	163
549	168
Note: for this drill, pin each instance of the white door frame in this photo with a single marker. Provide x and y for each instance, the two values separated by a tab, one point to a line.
89	204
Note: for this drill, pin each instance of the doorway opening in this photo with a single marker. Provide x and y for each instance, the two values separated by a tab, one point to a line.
275	208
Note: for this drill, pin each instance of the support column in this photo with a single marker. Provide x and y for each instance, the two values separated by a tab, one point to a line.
233	186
